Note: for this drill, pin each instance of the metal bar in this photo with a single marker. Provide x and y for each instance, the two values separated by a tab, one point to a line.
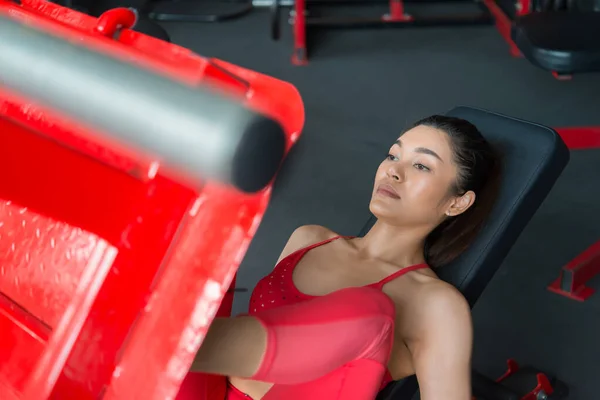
192	132
300	56
267	3
503	25
355	22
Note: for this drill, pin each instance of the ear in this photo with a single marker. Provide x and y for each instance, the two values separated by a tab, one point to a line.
460	204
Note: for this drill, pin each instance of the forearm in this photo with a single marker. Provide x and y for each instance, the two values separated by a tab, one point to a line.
232	346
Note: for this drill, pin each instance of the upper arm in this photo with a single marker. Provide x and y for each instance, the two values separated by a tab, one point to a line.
304	236
442	352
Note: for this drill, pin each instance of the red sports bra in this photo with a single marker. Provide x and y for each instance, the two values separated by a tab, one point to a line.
278	288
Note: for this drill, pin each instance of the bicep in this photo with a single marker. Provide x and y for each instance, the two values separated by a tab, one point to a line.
442	356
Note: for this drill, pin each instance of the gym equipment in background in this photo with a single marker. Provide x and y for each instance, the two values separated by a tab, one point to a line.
114	267
563	43
321	14
557	35
519	383
572	278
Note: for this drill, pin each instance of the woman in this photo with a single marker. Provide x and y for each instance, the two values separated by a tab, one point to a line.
340	317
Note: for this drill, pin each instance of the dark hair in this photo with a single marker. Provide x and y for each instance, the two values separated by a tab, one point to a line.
478	170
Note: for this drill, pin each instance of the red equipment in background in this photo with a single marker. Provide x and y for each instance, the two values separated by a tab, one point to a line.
302	18
305	15
111	272
504	23
573	276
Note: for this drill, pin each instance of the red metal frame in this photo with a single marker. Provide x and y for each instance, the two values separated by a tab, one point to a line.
300	55
397	13
504	23
112	273
561	77
516	380
573	276
543	384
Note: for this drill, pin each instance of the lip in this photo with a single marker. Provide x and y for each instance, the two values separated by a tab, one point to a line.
387	191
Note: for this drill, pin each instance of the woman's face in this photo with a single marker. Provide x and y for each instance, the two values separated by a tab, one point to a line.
412	185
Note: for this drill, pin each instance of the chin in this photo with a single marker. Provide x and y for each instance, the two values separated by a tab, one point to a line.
381	211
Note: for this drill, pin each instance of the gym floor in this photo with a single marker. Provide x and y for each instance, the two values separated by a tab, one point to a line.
360	89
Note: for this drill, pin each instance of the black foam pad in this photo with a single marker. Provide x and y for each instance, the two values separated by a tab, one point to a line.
534	156
564	42
258	155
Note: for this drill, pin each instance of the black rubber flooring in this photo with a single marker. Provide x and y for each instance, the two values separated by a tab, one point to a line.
360	89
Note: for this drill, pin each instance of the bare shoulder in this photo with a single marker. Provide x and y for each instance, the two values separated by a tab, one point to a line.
305	236
433	305
439	299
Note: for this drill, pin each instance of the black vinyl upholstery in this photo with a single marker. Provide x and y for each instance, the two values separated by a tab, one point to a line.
559	41
534	156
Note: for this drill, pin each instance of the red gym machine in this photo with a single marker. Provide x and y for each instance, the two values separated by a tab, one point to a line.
118	250
135	174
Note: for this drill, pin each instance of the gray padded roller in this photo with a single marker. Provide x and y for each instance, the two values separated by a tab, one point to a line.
191	130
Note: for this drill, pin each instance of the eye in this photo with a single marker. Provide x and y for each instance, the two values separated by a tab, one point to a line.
422	167
391	157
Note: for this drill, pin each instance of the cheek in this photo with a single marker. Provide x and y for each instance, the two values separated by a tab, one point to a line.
428	191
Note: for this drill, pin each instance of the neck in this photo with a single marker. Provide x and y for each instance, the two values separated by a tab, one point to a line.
402	246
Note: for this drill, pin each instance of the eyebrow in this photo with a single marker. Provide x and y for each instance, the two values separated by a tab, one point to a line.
422	150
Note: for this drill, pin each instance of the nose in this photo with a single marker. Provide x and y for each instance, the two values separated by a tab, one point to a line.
395	173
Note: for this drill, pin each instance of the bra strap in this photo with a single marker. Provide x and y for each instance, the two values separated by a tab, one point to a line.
398	274
324	242
304	250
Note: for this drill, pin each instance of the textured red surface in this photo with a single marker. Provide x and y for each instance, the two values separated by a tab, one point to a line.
110	272
42	261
